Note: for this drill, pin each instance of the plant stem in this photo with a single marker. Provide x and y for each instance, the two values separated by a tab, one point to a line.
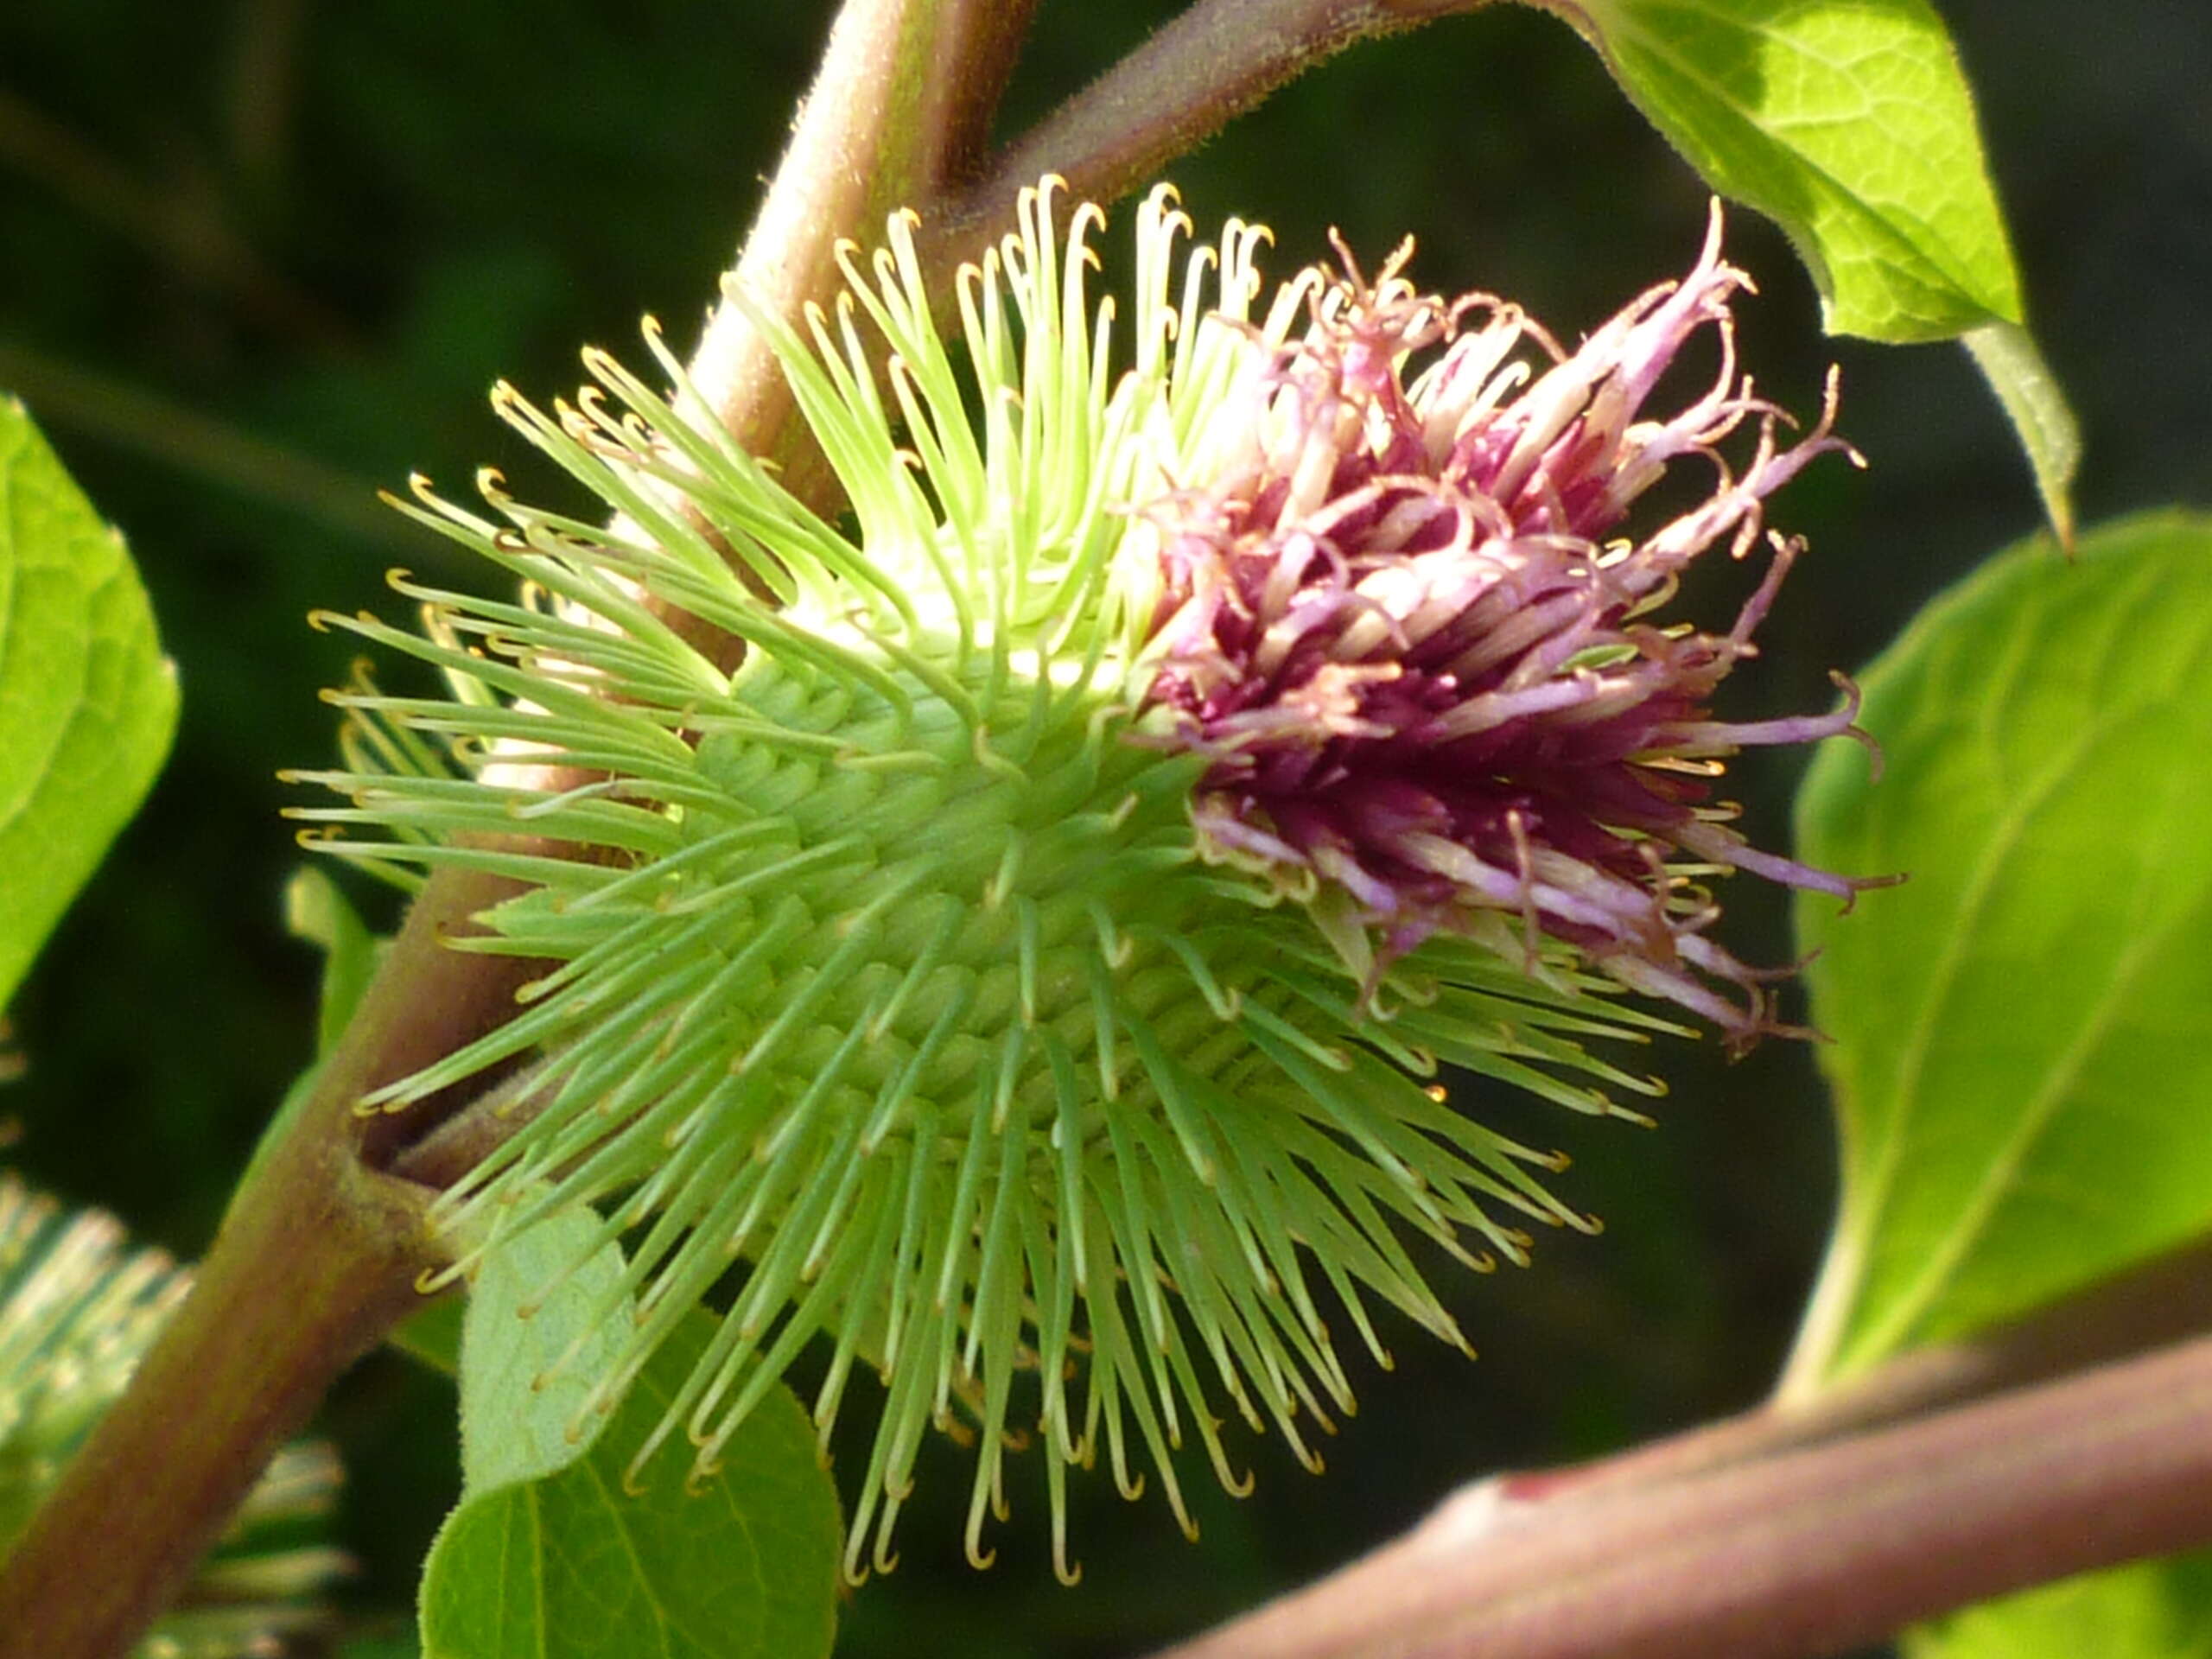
901	104
314	1262
293	1293
1805	1552
1199	72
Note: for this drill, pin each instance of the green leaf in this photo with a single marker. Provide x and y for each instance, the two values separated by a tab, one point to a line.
1849	124
2019	1062
316	911
2150	1609
550	1289
2007	357
87	702
1846	121
572	1567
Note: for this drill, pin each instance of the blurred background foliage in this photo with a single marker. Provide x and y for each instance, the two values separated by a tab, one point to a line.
260	257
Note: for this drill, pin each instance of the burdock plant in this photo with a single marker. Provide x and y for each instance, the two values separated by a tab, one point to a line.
1031	967
1056	859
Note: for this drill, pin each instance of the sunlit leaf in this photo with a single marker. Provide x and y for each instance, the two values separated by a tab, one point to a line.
87	702
1850	124
549	1557
518	1403
1846	121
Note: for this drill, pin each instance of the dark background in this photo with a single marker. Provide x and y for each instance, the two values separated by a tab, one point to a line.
259	257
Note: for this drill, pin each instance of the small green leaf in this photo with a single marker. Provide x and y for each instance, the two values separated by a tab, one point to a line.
431	1335
2007	357
2150	1609
87	702
549	1290
2019	1059
1846	121
572	1567
316	911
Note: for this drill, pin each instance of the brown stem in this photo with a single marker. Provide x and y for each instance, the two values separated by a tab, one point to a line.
978	41
2162	1302
455	1147
1198	72
1805	1552
294	1291
316	1260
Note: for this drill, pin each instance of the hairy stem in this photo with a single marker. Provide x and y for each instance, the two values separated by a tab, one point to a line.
1805	1552
902	104
1197	73
315	1261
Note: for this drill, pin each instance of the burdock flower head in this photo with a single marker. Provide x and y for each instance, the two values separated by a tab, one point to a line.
1027	970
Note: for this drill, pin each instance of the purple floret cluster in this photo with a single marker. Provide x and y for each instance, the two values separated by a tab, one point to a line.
1411	630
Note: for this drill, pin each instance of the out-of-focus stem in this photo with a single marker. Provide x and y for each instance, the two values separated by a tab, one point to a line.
1805	1552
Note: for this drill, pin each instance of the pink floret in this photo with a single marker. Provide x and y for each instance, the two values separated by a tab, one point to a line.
1417	648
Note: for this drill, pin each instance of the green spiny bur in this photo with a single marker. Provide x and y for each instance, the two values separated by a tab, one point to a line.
960	966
